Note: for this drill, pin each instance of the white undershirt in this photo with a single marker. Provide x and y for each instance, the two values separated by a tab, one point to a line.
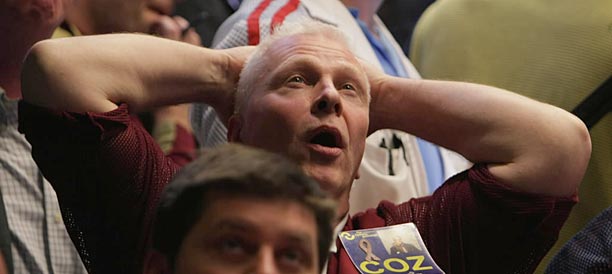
333	248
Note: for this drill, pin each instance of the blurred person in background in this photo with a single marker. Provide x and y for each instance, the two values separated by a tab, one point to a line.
33	238
588	251
170	124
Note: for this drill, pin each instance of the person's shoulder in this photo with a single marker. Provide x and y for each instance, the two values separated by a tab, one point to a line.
601	225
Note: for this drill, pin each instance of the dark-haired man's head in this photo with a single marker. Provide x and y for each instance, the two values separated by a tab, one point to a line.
242	210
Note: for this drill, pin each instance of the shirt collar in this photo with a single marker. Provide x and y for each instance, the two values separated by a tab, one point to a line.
334	248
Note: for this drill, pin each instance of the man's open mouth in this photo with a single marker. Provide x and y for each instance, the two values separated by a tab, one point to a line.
327	137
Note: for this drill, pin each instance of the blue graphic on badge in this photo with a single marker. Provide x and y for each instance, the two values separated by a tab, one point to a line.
392	249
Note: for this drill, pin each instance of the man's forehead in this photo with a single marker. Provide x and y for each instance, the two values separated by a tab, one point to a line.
238	219
310	49
309	43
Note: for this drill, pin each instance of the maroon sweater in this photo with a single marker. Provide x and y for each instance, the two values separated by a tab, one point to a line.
472	224
108	173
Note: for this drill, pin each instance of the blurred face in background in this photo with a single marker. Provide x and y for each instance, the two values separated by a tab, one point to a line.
30	20
108	16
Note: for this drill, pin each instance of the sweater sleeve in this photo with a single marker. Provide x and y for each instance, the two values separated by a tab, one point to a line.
474	224
108	173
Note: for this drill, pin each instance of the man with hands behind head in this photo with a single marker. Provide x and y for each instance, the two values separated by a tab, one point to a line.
303	94
396	166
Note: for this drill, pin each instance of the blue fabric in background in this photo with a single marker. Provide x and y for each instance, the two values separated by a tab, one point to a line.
589	251
392	65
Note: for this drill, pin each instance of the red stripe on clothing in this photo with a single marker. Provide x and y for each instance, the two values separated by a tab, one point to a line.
253	22
282	13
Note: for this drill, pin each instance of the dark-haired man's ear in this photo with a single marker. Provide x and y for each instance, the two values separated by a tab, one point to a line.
234	128
156	263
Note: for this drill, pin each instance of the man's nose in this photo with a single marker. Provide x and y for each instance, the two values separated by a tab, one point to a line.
265	262
328	100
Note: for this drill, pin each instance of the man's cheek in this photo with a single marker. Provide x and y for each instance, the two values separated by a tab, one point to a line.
361	124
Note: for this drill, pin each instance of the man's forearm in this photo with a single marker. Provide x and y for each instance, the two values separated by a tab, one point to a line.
530	145
95	73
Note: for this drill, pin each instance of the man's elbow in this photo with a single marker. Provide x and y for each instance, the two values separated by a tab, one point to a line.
582	149
36	77
575	155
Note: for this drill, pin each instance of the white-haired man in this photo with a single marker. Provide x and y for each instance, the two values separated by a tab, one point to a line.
396	166
305	95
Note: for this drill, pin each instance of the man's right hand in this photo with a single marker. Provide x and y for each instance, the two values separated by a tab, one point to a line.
236	59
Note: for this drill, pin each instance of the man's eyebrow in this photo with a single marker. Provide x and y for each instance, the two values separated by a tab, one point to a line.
233	224
297	237
242	225
295	63
288	236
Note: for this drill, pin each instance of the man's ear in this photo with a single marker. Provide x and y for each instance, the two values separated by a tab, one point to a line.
156	263
234	128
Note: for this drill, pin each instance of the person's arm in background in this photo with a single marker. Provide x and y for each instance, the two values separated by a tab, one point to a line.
142	71
528	145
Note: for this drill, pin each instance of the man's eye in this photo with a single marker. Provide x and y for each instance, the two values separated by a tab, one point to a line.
348	86
232	246
297	79
292	258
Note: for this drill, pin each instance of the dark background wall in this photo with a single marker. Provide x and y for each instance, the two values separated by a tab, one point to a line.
401	16
208	16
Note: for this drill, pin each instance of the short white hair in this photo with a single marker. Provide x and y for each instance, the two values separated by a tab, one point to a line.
253	67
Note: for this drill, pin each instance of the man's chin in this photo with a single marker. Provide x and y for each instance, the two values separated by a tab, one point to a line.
330	179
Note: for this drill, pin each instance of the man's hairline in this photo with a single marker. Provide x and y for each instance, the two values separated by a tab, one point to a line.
212	196
259	200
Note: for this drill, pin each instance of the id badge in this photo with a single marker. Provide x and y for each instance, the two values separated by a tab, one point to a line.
391	249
